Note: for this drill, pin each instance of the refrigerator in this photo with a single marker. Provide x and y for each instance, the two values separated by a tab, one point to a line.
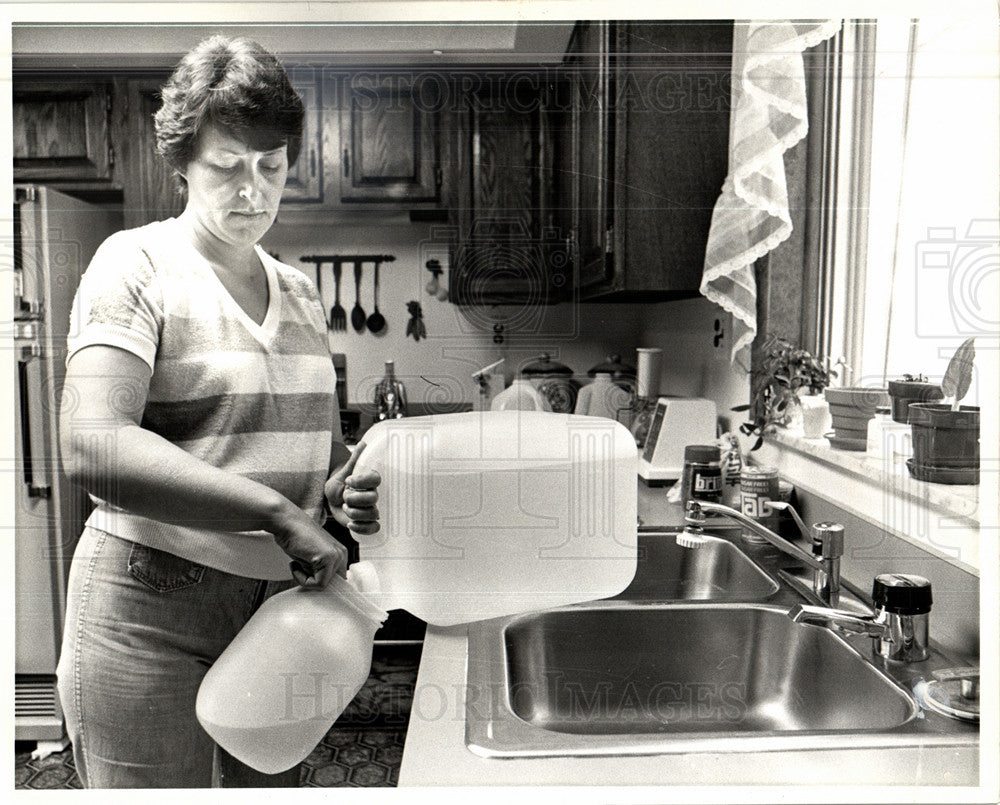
54	237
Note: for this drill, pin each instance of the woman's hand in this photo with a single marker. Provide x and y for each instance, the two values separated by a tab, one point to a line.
316	556
353	496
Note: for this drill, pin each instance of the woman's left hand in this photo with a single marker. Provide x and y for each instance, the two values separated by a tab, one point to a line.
353	496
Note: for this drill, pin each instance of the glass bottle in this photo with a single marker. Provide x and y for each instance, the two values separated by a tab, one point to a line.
390	395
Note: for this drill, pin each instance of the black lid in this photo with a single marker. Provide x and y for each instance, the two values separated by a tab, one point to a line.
545	366
902	593
612	366
702	452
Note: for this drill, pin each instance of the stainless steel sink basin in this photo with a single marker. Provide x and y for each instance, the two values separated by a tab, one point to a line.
716	571
669	670
621	677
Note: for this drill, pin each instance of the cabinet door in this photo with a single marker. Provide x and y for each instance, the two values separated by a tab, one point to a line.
150	190
508	248
672	82
61	131
305	177
592	147
388	138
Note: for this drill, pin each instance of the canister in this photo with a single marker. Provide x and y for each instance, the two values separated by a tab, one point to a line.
701	476
758	487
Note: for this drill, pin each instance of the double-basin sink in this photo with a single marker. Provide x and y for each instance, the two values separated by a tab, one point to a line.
697	654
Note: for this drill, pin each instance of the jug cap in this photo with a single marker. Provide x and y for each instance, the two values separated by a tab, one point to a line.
356	588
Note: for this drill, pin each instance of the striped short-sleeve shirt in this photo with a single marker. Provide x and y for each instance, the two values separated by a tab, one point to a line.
255	400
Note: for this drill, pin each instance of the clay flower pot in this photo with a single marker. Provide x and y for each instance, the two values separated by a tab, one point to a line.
945	443
904	392
851	408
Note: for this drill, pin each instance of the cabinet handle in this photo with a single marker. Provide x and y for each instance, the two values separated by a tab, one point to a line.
347	163
312	161
34	490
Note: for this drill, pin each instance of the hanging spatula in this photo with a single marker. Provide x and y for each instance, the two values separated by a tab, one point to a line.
358	317
338	316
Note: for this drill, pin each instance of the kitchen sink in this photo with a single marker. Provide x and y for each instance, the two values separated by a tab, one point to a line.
632	677
669	669
716	571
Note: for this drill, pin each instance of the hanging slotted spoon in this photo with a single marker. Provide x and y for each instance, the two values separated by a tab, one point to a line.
376	321
358	313
338	316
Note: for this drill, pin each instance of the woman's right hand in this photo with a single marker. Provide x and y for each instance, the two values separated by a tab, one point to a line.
316	555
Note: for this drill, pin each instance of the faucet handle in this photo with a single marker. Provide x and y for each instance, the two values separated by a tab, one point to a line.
828	540
902	593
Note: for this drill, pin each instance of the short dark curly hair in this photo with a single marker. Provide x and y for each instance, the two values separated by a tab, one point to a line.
237	84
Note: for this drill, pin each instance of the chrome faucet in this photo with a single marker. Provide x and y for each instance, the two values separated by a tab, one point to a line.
899	628
827	544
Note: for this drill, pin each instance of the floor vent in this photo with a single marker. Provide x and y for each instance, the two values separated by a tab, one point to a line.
37	714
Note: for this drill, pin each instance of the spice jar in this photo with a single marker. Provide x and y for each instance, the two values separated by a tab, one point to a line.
701	477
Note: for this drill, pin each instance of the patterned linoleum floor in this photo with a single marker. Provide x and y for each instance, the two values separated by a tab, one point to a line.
362	750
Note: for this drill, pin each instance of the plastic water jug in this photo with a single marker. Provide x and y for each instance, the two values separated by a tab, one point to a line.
492	513
520	395
602	398
482	514
297	663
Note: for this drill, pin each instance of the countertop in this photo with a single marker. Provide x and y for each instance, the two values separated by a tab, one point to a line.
436	754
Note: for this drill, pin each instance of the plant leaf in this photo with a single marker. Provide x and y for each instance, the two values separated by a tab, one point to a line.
958	375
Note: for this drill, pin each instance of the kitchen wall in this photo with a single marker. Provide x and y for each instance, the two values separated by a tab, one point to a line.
461	340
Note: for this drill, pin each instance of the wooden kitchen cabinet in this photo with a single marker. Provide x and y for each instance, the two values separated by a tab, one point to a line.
588	209
388	140
149	190
650	150
61	130
507	245
305	177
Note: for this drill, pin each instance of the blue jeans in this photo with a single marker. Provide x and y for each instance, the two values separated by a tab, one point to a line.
142	628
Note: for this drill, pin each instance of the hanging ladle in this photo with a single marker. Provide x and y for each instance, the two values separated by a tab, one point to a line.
358	313
376	321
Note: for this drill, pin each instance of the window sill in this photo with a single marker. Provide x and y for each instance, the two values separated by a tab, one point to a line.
939	518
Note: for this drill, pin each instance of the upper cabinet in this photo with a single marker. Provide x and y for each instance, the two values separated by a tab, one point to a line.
587	185
150	190
305	177
61	131
650	142
507	245
370	143
389	140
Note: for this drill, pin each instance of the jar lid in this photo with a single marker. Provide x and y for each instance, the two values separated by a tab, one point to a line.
612	366
702	452
883	410
545	366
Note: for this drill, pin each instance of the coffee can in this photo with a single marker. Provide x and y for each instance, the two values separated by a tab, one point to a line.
758	487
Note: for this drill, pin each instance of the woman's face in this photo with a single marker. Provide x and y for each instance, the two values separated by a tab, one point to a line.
233	190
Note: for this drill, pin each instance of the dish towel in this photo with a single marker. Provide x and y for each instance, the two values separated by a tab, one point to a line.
768	117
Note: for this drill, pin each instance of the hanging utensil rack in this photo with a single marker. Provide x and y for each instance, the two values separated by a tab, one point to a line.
337	261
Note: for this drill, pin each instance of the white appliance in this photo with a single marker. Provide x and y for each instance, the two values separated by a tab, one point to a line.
55	237
676	423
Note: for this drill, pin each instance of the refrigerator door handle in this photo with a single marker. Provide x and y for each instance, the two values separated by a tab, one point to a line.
35	490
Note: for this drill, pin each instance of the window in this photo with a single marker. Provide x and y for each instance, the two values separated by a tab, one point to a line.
917	268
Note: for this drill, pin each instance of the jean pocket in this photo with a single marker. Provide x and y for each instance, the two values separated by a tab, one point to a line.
162	571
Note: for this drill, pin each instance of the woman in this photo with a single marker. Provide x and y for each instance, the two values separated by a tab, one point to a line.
200	414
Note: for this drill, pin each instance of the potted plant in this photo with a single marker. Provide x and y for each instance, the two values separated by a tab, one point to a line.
946	435
786	377
911	389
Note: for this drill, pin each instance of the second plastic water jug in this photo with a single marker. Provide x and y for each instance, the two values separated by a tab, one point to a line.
491	513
